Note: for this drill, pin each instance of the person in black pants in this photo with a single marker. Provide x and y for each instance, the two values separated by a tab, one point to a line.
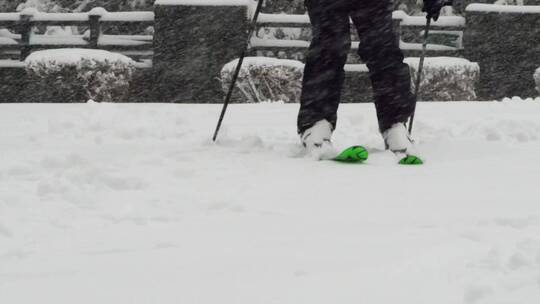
327	55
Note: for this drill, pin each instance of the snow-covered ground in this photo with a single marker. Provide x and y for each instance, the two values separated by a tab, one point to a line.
118	203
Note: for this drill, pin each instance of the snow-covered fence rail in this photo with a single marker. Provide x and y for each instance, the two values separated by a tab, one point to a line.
408	28
25	39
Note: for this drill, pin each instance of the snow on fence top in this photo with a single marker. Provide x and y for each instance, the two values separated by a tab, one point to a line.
444	21
406	20
35	16
8	41
409	46
82	17
286	20
10	16
51	40
204	2
128	17
7	63
496	8
283	18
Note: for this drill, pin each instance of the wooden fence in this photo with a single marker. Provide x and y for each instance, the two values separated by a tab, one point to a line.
21	44
408	28
186	31
19	37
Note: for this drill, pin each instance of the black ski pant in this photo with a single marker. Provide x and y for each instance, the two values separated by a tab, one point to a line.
327	55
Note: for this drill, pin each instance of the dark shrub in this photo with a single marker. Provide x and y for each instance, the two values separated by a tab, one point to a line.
265	79
446	78
76	75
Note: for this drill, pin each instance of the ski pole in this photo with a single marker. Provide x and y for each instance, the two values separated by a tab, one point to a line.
420	68
227	100
421	63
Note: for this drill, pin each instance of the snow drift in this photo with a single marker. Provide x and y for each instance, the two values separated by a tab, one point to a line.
132	203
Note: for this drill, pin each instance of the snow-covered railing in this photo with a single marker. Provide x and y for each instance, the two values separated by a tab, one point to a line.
93	22
508	9
446	25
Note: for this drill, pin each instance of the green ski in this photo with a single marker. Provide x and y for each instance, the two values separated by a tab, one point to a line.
359	154
354	154
409	159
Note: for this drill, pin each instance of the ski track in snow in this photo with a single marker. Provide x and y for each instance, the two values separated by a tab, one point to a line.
124	203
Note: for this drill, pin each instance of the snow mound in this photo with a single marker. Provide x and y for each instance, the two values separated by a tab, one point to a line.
74	56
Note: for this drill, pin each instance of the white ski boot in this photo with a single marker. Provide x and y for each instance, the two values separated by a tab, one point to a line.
397	140
317	141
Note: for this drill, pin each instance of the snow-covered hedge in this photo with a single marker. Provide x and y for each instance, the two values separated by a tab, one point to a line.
78	75
271	79
537	79
446	78
265	79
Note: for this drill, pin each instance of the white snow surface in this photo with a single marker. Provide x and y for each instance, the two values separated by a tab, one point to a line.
132	203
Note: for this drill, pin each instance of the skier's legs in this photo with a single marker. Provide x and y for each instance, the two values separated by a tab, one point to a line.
323	73
379	49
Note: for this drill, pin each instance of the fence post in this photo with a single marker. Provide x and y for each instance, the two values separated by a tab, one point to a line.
25	29
94	17
192	42
397	29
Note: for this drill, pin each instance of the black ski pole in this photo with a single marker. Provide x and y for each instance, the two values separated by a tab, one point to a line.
252	29
421	63
420	68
